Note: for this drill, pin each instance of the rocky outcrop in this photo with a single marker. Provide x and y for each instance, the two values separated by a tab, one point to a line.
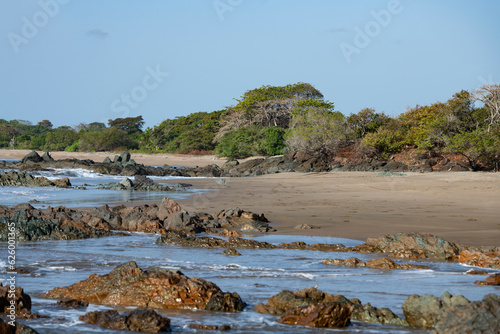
322	315
6	328
144	321
380	263
140	182
23	179
184	240
286	300
244	220
486	258
482	317
415	245
31	228
490	280
315	247
426	311
159	288
19	306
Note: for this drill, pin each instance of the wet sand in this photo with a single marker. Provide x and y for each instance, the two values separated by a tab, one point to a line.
460	207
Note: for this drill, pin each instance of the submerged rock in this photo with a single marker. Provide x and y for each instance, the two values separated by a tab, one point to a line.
182	239
145	321
23	179
381	263
490	280
159	288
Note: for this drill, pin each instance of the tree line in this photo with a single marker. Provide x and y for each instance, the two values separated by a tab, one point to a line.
273	120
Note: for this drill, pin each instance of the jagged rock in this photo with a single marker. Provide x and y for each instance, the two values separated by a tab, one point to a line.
480	259
482	317
425	311
316	247
323	315
210	327
23	179
231	252
380	263
72	303
145	321
415	245
47	157
231	218
490	280
21	303
6	328
32	157
285	300
127	183
159	288
182	239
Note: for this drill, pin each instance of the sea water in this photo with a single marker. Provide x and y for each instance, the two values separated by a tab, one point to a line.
256	275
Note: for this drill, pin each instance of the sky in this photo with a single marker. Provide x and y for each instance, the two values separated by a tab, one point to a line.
84	61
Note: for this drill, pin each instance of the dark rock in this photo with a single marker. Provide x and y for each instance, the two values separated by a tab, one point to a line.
316	247
129	285
231	252
32	157
475	317
47	157
285	300
72	303
144	321
23	179
21	303
323	315
380	263
6	328
210	327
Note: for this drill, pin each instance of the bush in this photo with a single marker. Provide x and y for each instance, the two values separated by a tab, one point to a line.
107	140
242	143
274	140
385	141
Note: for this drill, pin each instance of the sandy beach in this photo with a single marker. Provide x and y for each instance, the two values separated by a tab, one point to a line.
460	207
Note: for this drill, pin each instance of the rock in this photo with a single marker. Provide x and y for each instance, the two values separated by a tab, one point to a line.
316	247
306	227
210	327
233	218
490	280
475	317
231	252
159	288
380	263
47	157
476	272
425	311
72	303
182	239
127	183
415	245
286	300
21	302
32	157
145	321
477	258
62	183
323	315
6	328
167	208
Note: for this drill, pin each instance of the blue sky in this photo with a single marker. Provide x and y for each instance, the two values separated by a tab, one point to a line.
82	61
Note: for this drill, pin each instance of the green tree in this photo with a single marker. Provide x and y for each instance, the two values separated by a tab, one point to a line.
366	121
130	125
59	139
107	140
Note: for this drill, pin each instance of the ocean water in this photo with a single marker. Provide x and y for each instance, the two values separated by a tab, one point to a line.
256	275
91	196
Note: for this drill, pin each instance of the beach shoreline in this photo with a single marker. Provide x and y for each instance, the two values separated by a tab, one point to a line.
457	206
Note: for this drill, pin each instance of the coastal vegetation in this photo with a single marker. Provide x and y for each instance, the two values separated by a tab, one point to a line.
274	120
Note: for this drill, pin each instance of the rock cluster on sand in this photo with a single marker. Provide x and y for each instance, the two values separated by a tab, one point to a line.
159	288
65	223
146	321
287	300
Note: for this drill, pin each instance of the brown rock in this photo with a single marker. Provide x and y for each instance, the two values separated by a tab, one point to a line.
380	263
6	328
72	303
127	284
21	301
210	327
490	280
147	321
323	315
167	208
480	259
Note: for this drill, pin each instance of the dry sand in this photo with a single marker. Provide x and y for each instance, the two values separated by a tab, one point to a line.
460	207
